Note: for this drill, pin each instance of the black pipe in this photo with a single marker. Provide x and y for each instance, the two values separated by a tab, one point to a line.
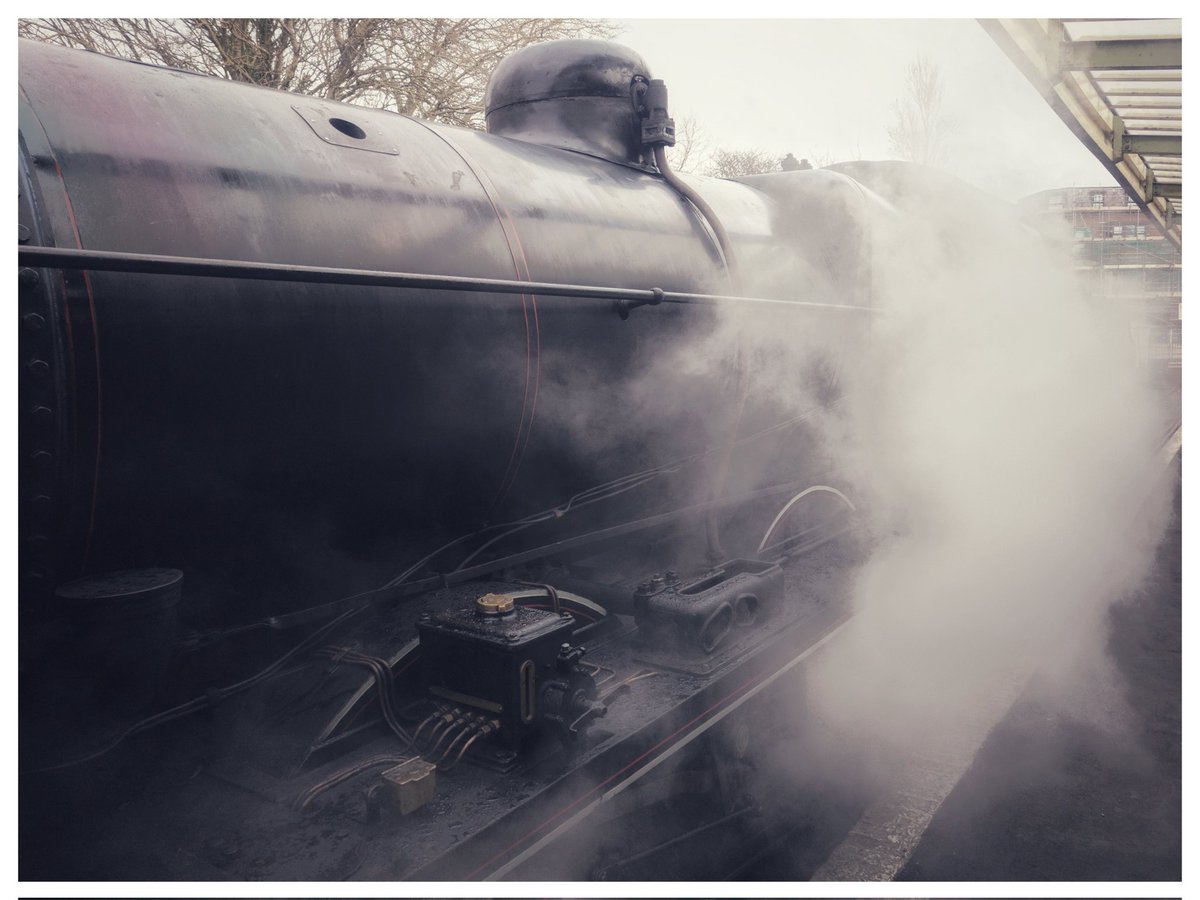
713	220
614	599
151	264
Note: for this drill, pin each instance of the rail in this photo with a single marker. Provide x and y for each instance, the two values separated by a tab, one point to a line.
152	264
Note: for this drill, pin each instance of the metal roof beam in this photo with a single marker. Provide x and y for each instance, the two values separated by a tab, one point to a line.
1163	93
1152	188
1117	75
1150	122
1167	102
1166	144
1158	118
1166	195
1161	53
1079	35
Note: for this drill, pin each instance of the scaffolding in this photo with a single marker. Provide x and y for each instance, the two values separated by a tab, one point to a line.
1118	85
1122	258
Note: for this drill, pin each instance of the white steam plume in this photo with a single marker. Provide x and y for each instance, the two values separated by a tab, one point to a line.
1001	439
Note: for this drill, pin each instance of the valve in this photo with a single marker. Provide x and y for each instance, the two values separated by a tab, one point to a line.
568	702
657	126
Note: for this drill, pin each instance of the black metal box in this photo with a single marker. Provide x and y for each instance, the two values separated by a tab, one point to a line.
492	664
699	616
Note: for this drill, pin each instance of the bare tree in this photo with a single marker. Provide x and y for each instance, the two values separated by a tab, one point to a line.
438	68
433	68
691	145
919	129
735	163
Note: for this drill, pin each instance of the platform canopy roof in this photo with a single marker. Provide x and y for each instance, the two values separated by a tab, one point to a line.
1118	85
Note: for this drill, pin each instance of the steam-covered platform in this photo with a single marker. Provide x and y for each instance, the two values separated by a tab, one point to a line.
1042	791
1089	797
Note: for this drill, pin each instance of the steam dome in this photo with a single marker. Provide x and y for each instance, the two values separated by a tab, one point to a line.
573	94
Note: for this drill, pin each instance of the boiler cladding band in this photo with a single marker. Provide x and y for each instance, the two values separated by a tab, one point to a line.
152	264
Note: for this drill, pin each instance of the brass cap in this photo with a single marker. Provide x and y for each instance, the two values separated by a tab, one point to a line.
494	604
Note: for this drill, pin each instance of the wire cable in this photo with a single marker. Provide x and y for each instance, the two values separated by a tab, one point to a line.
210	698
796	499
432	716
597	493
550	592
470	727
383	680
492	726
305	798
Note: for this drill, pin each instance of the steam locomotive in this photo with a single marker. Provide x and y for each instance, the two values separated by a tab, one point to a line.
398	500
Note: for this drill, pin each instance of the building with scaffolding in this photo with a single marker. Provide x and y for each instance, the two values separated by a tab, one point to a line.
1117	84
1122	256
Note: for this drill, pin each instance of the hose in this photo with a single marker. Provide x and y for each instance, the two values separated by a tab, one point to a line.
383	678
471	727
209	698
487	729
303	800
447	721
431	717
490	728
796	499
550	592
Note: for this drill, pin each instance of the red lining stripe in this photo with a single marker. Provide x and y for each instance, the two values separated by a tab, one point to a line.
533	346
523	272
87	284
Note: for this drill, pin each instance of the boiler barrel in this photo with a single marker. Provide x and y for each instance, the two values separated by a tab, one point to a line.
284	441
287	443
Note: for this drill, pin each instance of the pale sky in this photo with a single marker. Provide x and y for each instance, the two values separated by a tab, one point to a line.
825	88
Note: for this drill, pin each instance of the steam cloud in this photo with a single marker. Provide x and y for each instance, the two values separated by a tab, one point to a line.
999	438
